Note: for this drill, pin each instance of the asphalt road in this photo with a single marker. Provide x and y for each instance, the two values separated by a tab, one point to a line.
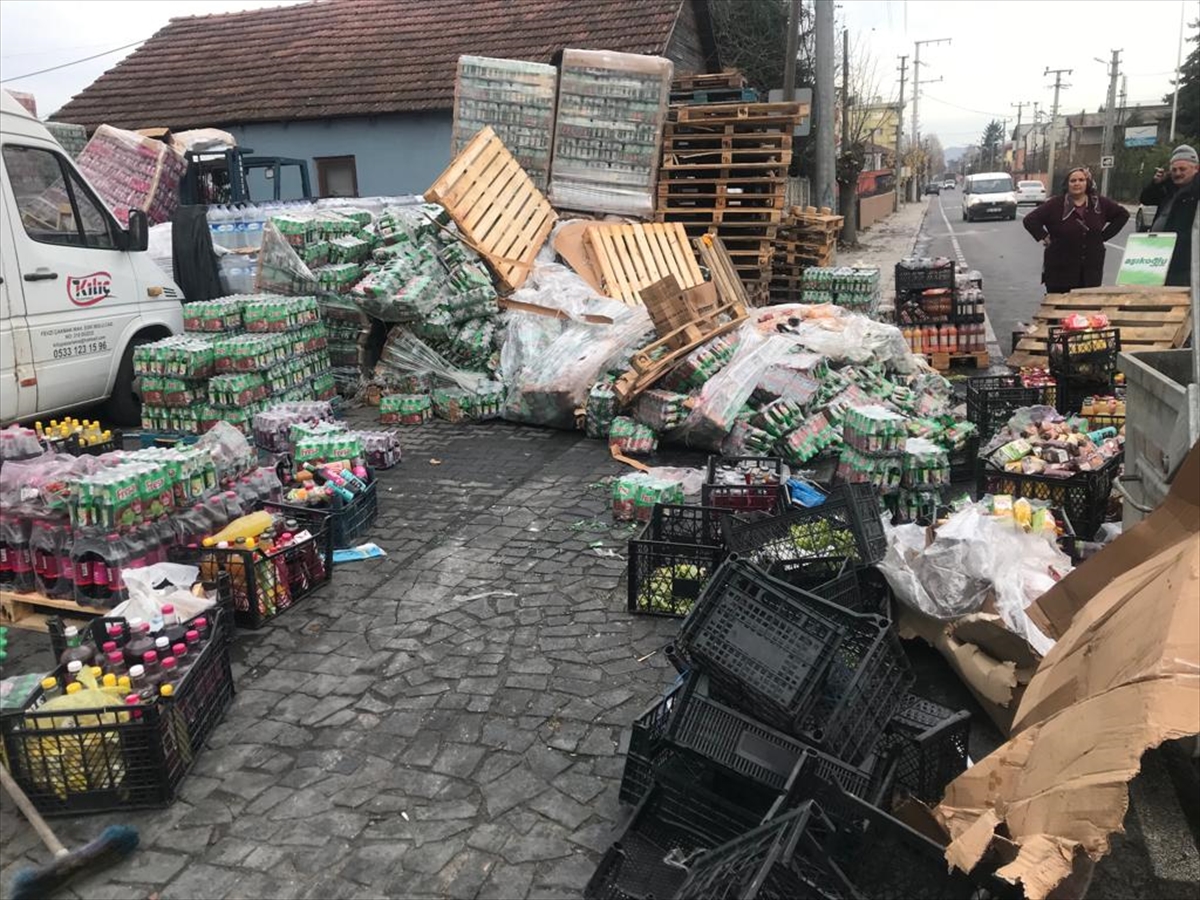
1007	257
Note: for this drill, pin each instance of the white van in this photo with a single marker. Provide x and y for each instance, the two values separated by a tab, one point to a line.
77	291
989	195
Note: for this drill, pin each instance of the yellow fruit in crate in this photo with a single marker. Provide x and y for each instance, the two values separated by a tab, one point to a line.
672	589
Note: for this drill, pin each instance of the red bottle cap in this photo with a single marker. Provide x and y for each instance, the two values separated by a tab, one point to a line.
115	657
149	657
192	636
109	646
168	609
169	662
178	650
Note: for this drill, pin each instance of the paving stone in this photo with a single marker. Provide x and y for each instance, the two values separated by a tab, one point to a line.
431	857
599	742
495	765
571	872
458	760
514	788
200	880
507	882
564	735
579	786
544	841
556	805
506	735
489	837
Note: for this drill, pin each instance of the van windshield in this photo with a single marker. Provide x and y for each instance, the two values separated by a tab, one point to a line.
991	185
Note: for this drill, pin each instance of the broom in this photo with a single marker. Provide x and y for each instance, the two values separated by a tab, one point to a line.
114	844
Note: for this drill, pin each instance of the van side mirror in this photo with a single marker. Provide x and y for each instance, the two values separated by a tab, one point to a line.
138	235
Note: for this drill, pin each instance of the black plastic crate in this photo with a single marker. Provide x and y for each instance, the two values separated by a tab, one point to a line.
911	279
348	520
73	445
930	743
685	524
848	523
123	757
783	859
810	573
1071	397
674	819
887	860
992	400
856	588
665	578
964	460
1083	496
1084	356
265	585
760	497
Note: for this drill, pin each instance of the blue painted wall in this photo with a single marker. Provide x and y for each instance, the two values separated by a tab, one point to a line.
393	154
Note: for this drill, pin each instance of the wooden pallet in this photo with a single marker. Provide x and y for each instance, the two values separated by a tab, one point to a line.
701	137
1150	318
715	95
730	288
730	78
632	257
657	359
32	611
496	206
944	361
728	215
741	113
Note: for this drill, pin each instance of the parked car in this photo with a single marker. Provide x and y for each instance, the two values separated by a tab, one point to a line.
1144	217
1033	192
989	194
933	188
949	184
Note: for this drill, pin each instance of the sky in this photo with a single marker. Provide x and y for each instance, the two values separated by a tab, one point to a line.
996	56
998	52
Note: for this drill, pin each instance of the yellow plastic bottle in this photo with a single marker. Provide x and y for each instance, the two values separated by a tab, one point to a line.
248	526
1023	513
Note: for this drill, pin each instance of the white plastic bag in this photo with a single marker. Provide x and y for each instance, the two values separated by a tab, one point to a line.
146	599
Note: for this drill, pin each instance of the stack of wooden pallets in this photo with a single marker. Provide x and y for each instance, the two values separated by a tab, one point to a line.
724	170
806	237
714	87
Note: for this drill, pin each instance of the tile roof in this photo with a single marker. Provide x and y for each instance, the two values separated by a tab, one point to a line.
334	58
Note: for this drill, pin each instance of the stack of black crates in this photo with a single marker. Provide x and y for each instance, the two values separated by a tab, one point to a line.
940	311
775	757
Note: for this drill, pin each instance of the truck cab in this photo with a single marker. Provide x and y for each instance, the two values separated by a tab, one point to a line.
77	291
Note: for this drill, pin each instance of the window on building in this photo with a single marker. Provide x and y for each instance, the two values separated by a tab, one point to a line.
54	205
336	176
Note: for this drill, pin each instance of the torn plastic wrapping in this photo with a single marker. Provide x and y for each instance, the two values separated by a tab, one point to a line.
972	558
280	270
42	482
608	131
131	171
548	387
406	354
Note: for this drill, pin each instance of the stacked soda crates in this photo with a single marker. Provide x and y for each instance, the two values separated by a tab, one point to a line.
1084	365
790	720
938	309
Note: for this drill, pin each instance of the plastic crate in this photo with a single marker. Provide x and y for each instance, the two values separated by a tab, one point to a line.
761	497
126	757
743	759
1083	496
674	819
992	400
964	460
1071	395
848	523
930	743
856	588
74	446
783	859
664	577
922	279
684	524
886	860
265	585
1084	356
348	521
810	573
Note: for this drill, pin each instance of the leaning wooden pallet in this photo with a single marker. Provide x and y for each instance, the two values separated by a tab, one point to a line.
496	206
1150	318
631	257
729	286
31	611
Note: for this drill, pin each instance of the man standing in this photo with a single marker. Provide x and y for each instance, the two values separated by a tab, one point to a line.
1176	201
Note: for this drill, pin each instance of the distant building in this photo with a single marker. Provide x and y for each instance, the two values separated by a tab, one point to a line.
1085	132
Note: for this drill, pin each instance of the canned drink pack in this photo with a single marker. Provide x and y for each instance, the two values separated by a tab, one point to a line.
405	409
632	438
874	430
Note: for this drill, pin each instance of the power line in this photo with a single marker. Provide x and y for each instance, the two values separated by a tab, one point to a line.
963	108
73	62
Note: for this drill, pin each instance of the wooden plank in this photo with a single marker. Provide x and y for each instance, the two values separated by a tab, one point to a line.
634	256
496	206
608	272
32	611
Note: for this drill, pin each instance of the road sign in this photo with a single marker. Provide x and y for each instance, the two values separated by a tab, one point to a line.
1141	135
1106	162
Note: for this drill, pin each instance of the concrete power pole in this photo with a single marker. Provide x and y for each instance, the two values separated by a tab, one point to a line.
916	141
1058	85
1178	64
900	134
823	189
1110	118
793	41
1020	106
848	192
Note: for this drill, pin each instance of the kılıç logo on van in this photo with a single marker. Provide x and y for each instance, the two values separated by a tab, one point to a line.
88	290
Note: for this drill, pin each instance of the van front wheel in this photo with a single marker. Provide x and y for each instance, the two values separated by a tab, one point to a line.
124	406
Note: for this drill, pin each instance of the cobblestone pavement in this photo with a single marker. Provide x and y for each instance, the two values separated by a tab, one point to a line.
446	722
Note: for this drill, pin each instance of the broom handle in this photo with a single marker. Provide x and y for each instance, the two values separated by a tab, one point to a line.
53	844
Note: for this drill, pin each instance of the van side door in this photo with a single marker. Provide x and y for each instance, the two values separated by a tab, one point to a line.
80	294
18	386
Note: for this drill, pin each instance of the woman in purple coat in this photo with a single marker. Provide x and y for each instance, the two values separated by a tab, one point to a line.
1073	226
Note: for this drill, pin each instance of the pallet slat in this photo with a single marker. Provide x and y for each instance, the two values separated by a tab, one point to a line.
496	206
31	611
635	256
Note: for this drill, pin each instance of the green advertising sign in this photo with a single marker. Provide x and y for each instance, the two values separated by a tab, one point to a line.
1146	259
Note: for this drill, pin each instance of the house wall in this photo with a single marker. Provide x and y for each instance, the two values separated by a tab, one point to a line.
685	48
873	209
393	154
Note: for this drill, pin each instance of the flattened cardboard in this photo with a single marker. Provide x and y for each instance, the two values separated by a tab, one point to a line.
569	243
1121	679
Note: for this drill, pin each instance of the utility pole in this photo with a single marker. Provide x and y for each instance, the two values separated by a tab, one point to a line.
845	90
1003	139
900	134
1058	85
823	189
1110	118
848	192
793	41
916	141
1178	64
1020	106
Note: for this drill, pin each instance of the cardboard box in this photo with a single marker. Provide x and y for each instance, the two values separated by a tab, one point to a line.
1122	678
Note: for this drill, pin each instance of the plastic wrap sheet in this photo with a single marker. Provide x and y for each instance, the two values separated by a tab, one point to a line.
608	131
514	97
131	171
406	354
547	387
839	334
280	269
974	557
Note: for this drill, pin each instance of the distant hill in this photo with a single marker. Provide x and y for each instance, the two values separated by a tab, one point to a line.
953	154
